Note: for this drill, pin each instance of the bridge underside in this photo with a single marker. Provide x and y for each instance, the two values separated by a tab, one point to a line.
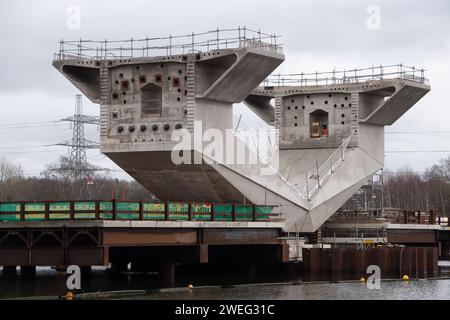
93	245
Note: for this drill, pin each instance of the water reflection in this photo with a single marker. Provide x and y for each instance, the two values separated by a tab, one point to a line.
48	282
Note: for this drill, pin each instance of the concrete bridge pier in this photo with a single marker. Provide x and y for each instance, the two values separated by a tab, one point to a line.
86	272
28	271
9	271
168	275
118	267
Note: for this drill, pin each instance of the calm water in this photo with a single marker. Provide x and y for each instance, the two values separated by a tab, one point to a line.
230	286
390	290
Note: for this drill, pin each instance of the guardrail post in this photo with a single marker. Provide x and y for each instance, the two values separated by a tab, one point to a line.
47	210
61	49
254	213
189	211
114	209
97	210
217	38
213	212
166	211
233	212
131	47
22	211
141	210
72	210
106	51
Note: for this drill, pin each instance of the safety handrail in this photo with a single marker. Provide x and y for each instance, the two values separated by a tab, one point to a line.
168	46
334	77
319	174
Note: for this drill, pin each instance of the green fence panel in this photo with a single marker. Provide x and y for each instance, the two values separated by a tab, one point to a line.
178	207
128	216
106	216
106	206
201	208
59	206
154	216
59	216
178	217
245	209
154	207
84	206
9	207
201	217
127	206
223	212
84	216
263	213
34	217
264	209
9	217
34	207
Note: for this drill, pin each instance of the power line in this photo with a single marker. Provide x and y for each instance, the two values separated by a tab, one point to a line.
27	123
27	147
30	152
33	126
417	151
418	132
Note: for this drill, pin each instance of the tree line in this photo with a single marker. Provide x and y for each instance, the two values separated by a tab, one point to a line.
405	190
409	190
58	183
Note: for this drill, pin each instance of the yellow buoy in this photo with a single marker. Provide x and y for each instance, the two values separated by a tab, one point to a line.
362	280
69	296
190	286
405	278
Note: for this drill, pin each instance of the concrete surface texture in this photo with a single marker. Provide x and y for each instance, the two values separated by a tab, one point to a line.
331	135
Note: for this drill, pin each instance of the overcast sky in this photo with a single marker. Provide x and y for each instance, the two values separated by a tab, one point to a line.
316	34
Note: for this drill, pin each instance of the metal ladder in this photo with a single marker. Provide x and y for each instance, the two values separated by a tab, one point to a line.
278	112
354	99
104	100
190	99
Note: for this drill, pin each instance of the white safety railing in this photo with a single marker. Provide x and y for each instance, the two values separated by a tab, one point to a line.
316	177
168	46
334	77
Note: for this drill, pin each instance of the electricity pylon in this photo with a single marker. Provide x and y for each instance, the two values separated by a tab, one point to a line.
78	166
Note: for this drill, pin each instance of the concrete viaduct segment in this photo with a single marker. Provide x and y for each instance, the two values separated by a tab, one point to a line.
146	97
332	132
330	127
